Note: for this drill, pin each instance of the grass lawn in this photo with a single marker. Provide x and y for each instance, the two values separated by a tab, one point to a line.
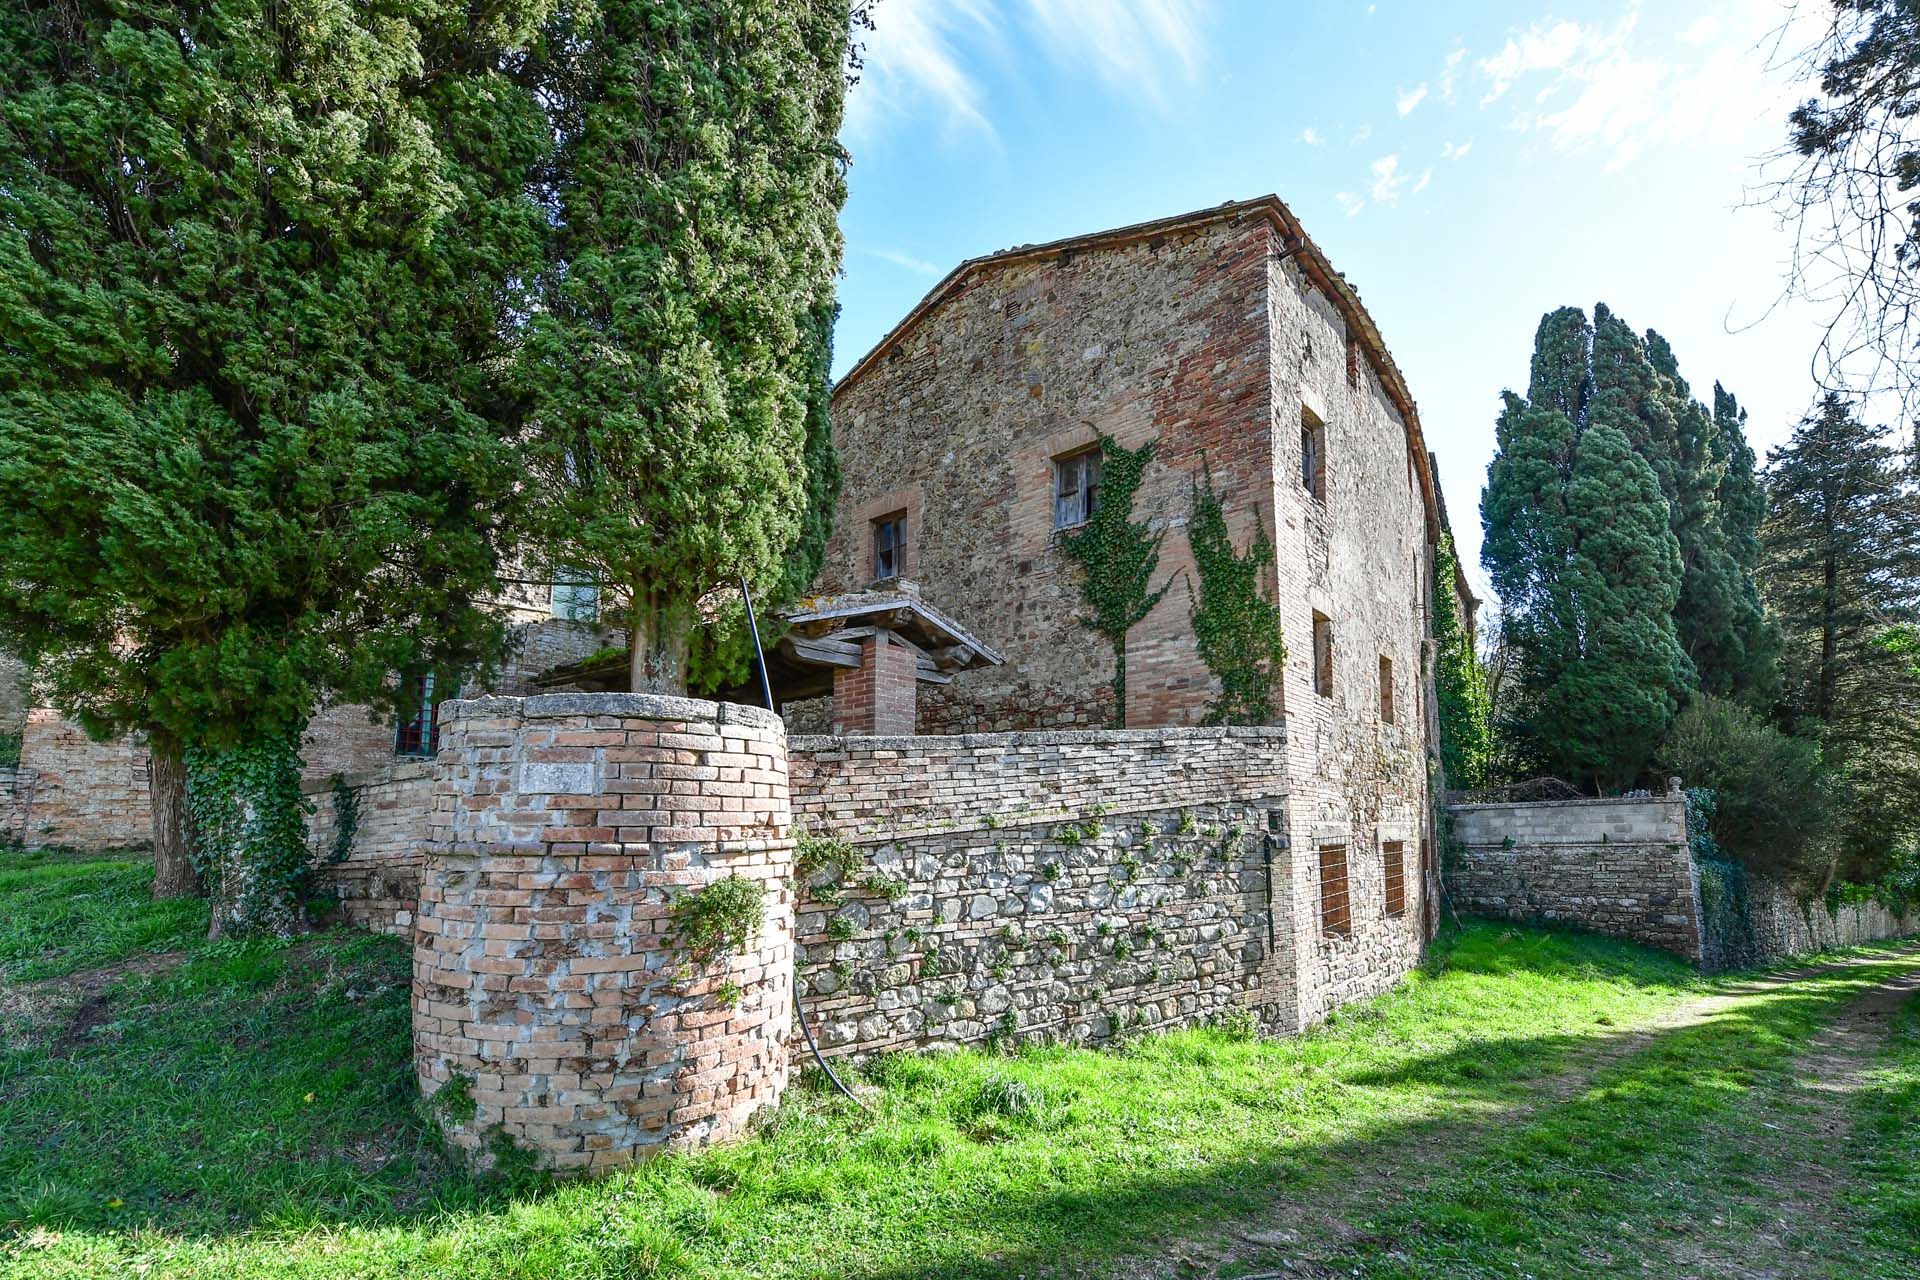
247	1110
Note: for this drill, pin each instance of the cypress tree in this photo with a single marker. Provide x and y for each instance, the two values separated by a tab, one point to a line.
675	366
1118	557
1580	549
255	264
1842	545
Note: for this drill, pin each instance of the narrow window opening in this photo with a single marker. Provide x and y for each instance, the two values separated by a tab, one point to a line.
890	546
1353	362
1322	655
1313	454
1394	854
1076	488
1386	689
417	734
1336	916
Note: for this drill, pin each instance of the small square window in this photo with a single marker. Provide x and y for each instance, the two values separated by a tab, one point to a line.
1313	454
1386	690
1076	488
1322	655
890	546
574	596
1394	854
1336	915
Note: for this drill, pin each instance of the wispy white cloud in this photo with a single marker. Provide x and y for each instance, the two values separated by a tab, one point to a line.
905	261
1611	89
1408	99
914	64
1456	150
1349	203
1426	176
1361	134
1136	44
1387	180
1450	74
927	57
1312	137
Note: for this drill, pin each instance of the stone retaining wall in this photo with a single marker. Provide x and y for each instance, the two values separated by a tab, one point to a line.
1615	866
1066	884
1783	925
552	992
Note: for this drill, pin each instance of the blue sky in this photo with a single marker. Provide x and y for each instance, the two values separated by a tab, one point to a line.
1468	166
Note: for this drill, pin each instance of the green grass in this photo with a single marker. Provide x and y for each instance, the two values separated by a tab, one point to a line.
1887	1141
249	1112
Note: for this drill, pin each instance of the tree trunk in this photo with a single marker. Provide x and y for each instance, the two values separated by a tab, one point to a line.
253	834
657	644
173	871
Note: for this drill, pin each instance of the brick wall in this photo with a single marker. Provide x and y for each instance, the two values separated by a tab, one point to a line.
546	972
378	883
83	794
1618	867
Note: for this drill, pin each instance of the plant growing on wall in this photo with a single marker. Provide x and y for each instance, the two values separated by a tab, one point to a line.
719	917
1117	556
1236	624
1460	683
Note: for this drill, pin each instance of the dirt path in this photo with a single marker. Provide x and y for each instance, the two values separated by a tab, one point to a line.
1792	1146
1781	1241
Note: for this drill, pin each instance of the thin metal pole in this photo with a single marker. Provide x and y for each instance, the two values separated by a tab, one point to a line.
799	1010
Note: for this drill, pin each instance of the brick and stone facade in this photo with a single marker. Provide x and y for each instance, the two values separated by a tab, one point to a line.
548	980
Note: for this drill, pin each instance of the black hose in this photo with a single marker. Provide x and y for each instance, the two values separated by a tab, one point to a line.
799	1010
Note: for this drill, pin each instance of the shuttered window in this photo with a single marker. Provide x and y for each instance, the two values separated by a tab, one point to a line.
1394	854
1336	912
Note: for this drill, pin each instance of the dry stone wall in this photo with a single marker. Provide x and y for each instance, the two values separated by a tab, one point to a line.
552	990
1785	925
1062	885
1619	867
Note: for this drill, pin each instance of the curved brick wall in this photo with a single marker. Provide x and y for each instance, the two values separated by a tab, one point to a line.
544	972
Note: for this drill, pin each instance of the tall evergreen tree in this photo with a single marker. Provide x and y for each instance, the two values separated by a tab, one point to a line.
255	266
677	351
1580	548
1842	544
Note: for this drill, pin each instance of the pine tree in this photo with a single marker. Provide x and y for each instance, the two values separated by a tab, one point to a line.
1842	543
1118	557
674	366
256	265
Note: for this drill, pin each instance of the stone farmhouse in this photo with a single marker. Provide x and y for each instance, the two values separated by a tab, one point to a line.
1008	865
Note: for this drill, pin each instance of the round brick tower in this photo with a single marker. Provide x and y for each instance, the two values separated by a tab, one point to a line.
550	988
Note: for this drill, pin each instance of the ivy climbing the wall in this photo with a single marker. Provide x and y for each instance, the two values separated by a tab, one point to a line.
1118	556
1460	683
249	824
1235	623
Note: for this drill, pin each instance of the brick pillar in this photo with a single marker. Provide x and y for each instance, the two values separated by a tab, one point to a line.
879	697
546	976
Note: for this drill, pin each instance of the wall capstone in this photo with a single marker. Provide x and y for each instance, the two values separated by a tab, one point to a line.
547	979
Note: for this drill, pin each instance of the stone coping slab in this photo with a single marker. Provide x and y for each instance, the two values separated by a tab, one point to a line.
625	706
818	743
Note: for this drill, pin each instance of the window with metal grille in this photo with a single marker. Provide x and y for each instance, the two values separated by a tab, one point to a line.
1393	853
1076	488
890	546
1322	655
1386	689
416	734
1313	454
1336	913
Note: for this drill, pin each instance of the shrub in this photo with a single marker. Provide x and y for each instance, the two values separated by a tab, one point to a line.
1772	796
